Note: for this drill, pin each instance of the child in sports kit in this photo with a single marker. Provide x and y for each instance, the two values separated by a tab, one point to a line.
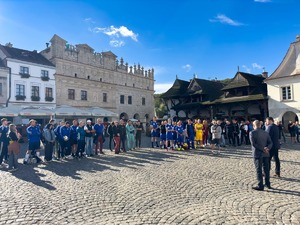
174	134
180	135
154	134
163	135
169	132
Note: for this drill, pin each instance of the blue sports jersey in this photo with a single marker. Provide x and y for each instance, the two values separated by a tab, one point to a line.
154	124
169	127
179	129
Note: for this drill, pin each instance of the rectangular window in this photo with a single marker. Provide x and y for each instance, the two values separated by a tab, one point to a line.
44	73
84	95
122	99
35	91
49	92
20	89
0	88
24	70
143	101
286	93
129	100
71	94
104	97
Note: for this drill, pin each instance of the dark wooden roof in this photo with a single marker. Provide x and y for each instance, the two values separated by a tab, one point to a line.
25	55
210	88
179	88
242	79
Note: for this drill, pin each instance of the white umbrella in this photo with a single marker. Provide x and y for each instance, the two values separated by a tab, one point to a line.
10	111
36	111
65	110
97	111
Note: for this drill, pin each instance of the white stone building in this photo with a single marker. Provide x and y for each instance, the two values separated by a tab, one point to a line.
85	79
284	87
32	81
4	73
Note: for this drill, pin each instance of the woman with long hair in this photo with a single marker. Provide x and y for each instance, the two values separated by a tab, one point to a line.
13	148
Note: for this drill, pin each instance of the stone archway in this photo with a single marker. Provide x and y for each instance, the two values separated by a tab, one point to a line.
136	116
124	116
288	116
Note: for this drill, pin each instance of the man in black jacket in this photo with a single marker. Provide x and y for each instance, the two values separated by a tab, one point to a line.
273	131
261	144
236	132
122	128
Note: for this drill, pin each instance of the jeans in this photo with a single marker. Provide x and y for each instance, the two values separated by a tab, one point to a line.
89	145
123	142
262	163
111	137
138	140
274	153
236	139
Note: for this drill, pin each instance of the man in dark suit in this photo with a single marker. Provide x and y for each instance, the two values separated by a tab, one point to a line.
273	131
261	143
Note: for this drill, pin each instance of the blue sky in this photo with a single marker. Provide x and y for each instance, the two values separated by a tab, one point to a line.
209	38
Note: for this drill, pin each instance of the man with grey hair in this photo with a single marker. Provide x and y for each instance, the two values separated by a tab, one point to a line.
261	144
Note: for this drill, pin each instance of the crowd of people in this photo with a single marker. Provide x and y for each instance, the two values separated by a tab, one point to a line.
84	139
67	141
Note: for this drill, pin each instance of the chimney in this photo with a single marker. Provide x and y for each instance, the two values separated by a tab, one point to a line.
297	38
265	74
47	44
9	45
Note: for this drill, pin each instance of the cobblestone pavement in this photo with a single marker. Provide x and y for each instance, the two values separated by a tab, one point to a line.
152	186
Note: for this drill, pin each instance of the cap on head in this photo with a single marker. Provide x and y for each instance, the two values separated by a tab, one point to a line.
88	121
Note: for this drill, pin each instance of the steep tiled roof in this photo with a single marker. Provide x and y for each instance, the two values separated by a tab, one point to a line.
179	88
25	55
288	66
242	79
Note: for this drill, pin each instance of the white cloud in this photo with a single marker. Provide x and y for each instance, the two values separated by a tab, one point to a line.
187	67
221	18
263	1
256	66
162	87
117	32
247	69
116	43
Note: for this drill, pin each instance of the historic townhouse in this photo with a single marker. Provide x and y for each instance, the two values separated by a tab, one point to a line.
4	73
284	86
30	79
85	78
243	97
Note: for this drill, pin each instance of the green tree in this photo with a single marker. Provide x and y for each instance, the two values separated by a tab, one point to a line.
160	107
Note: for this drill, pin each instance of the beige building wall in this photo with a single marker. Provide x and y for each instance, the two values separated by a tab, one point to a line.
80	68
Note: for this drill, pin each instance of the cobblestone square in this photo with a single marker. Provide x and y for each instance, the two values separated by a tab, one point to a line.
152	186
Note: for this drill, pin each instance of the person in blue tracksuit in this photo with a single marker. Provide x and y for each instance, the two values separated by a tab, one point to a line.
65	134
154	133
34	141
169	131
180	135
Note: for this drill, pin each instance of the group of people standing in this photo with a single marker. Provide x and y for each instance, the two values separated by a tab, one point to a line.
67	141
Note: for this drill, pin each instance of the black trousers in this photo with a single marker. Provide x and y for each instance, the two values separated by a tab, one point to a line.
260	164
274	153
48	150
138	140
111	137
80	148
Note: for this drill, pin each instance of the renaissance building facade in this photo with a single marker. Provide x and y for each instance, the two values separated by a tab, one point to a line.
85	78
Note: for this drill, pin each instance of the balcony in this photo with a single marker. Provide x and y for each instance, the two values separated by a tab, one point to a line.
35	98
45	78
20	97
24	75
49	99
